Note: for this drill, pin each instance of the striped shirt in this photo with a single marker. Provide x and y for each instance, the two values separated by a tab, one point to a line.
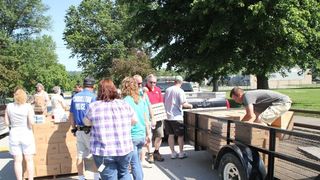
111	128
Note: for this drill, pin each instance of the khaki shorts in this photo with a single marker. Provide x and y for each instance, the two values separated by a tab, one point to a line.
273	112
83	144
158	130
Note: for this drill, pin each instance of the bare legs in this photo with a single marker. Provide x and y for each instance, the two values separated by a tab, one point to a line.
18	166
157	143
171	143
80	166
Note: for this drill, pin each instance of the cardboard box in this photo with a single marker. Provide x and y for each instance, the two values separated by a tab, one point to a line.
250	135
59	158
40	159
47	170
40	139
68	148
70	167
56	148
49	148
57	137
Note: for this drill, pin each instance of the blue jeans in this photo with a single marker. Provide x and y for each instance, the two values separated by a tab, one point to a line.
116	167
136	167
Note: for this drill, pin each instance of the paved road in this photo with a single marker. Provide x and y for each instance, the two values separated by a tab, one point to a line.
196	166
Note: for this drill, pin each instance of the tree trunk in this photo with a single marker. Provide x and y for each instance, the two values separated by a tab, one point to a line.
262	82
215	86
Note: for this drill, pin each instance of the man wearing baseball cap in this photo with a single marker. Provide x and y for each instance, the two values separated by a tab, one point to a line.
78	109
174	101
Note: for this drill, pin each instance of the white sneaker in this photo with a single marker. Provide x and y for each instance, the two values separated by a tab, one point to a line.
174	155
145	164
89	156
182	155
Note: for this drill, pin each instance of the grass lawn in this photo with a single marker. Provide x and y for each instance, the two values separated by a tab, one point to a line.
303	98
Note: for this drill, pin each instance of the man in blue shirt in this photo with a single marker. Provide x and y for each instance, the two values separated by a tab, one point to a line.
78	109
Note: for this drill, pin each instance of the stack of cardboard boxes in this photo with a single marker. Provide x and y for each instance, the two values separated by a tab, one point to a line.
218	137
40	106
56	148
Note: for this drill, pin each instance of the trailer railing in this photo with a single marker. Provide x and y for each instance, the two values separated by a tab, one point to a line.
271	151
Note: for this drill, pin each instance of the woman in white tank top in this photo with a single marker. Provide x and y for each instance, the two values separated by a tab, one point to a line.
19	116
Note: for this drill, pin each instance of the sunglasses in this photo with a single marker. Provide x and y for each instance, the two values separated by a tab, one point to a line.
152	82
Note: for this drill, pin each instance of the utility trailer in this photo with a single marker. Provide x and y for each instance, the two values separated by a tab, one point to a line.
251	151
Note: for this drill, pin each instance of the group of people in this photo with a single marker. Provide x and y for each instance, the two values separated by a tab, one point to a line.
19	116
118	124
113	126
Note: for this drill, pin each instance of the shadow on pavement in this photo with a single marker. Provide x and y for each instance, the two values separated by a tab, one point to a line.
6	164
196	166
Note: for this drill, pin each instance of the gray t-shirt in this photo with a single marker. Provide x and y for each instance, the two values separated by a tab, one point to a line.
262	99
173	100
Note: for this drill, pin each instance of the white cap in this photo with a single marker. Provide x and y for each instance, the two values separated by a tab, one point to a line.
178	79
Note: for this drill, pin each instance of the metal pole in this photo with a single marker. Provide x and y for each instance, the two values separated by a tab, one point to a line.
228	131
272	147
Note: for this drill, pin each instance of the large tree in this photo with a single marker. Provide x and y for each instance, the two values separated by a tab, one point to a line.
26	57
95	32
211	38
137	63
23	18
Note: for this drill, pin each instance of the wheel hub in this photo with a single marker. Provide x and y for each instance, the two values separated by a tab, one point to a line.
231	172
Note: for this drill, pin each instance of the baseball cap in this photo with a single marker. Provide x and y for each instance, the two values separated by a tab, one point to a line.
88	81
39	85
178	78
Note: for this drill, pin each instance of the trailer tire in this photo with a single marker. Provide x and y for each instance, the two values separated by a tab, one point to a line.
230	167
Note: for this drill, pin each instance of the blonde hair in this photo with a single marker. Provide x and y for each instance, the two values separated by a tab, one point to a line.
20	96
129	87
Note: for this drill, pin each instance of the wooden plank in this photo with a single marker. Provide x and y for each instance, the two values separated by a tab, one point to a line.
287	170
313	151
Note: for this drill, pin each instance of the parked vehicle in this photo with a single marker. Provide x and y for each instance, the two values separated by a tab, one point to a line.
4	130
163	85
196	98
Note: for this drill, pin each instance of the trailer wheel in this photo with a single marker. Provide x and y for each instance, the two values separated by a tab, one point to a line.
230	168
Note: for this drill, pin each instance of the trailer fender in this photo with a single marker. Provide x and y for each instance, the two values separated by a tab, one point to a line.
250	160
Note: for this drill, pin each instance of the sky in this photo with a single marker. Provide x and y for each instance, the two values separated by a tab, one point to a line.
57	11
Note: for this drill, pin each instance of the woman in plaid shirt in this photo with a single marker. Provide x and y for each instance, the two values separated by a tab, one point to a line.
111	144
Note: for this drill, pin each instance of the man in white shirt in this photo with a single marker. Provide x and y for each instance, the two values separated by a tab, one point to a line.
174	101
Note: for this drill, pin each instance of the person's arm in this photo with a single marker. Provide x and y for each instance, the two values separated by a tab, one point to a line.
47	99
148	129
87	122
160	96
183	99
250	115
186	105
153	122
134	120
63	103
30	117
6	118
71	120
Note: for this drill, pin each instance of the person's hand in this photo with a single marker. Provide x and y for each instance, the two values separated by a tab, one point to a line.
74	131
153	124
148	140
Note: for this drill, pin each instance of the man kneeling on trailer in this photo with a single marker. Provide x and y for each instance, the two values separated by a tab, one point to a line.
262	106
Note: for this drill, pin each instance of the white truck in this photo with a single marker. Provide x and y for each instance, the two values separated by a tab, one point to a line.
197	98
